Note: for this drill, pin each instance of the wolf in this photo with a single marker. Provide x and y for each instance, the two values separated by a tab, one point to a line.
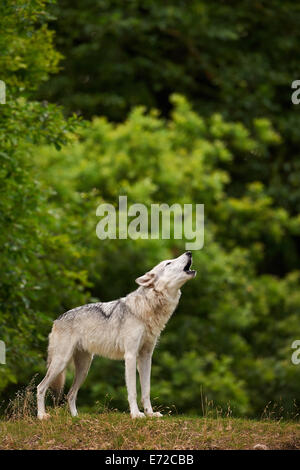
127	329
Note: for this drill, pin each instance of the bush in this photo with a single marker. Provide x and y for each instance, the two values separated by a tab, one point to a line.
231	336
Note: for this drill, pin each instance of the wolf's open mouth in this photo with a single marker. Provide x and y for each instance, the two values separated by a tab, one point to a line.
187	267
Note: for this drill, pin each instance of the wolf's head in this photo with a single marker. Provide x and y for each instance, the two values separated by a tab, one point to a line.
170	274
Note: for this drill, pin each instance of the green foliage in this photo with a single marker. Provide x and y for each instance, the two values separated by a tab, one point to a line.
235	150
35	258
235	59
230	340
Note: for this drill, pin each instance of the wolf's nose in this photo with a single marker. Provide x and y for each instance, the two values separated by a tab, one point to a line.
189	253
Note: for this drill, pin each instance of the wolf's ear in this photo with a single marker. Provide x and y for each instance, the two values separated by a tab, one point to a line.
147	280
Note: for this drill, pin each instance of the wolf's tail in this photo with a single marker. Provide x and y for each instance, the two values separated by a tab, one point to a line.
57	384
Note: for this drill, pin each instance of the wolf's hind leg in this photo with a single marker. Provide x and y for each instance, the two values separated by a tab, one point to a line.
61	353
82	360
56	367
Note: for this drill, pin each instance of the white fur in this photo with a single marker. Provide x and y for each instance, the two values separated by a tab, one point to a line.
124	329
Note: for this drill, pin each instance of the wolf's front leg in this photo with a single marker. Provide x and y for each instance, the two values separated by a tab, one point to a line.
130	374
144	367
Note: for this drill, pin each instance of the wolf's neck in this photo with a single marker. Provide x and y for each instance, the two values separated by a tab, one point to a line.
153	307
161	299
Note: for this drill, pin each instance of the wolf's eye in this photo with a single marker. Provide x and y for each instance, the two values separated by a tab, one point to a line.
168	263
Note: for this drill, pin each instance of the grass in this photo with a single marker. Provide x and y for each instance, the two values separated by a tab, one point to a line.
114	430
111	430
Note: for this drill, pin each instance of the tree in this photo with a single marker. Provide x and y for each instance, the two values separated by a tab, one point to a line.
35	259
230	339
235	60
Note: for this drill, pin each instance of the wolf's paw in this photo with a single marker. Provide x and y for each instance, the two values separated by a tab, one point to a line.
44	416
137	414
155	414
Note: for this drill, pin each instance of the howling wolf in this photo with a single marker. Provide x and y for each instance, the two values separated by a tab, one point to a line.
127	328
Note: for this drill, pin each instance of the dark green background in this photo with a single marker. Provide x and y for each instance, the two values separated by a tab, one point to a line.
225	133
